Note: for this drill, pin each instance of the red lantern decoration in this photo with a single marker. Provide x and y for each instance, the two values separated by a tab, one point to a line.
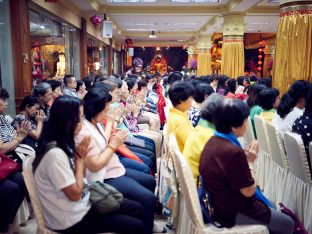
260	62
260	44
260	50
96	20
259	68
260	57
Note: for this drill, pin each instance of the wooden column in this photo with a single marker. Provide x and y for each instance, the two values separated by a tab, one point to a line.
110	58
83	48
22	70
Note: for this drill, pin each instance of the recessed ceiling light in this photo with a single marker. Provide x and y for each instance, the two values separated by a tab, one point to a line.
178	29
131	1
196	1
180	40
250	29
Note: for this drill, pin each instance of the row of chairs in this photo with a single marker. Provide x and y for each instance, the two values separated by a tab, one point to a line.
187	214
282	169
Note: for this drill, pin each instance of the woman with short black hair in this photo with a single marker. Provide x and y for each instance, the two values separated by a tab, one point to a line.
268	101
202	92
227	177
29	111
181	96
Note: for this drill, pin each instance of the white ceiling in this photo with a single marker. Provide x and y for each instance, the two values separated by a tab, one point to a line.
180	21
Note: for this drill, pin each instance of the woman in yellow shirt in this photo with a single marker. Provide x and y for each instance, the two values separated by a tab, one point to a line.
181	97
201	133
269	100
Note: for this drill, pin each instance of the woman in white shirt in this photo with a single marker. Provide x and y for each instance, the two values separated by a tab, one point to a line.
291	106
59	178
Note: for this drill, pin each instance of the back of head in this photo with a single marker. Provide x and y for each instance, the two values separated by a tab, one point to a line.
202	91
131	83
116	80
253	97
67	79
88	82
298	90
40	89
231	113
210	105
267	98
240	80
175	76
101	85
180	91
266	81
141	84
55	83
231	85
95	101
221	82
29	101
60	126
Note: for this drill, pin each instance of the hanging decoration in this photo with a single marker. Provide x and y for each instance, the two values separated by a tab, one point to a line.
260	57
96	20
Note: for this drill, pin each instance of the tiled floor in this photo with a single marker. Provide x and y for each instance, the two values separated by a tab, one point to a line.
31	226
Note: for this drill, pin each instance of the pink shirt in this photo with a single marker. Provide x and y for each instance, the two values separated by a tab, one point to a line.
98	144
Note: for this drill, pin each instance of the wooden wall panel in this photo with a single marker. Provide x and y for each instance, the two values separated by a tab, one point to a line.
22	69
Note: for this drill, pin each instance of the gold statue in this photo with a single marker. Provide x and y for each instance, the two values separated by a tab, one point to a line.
159	64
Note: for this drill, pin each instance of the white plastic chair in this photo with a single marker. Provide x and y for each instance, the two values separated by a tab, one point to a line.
297	157
249	134
276	146
192	220
35	201
260	125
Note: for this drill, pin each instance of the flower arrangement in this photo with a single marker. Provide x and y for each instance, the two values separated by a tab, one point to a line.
193	64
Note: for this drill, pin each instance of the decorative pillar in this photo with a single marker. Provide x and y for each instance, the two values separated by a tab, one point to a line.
204	56
110	58
192	59
293	51
268	60
232	60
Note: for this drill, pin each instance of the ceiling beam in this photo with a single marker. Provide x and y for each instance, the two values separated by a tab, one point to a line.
160	35
263	10
94	4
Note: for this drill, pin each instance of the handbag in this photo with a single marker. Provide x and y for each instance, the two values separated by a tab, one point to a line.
23	151
205	204
7	166
299	227
104	197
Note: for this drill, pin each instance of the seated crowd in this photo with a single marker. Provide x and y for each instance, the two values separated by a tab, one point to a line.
108	130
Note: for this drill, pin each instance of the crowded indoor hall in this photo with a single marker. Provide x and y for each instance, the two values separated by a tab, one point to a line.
156	116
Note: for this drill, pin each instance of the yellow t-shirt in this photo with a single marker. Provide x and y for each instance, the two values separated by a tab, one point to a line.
195	144
267	115
179	124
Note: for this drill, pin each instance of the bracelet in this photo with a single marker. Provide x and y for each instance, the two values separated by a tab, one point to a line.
111	147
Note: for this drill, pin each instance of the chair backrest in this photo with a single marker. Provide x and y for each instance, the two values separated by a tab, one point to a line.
276	146
33	193
260	125
297	157
249	134
187	185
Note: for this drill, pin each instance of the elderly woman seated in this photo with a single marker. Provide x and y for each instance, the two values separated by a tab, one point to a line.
199	136
227	177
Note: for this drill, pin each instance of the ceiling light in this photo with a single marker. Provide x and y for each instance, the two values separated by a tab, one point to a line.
273	1
138	29
131	1
138	24
42	27
250	29
180	40
260	23
182	24
196	1
152	35
158	48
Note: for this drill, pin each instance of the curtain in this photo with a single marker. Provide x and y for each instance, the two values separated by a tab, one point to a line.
232	60
293	51
204	64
